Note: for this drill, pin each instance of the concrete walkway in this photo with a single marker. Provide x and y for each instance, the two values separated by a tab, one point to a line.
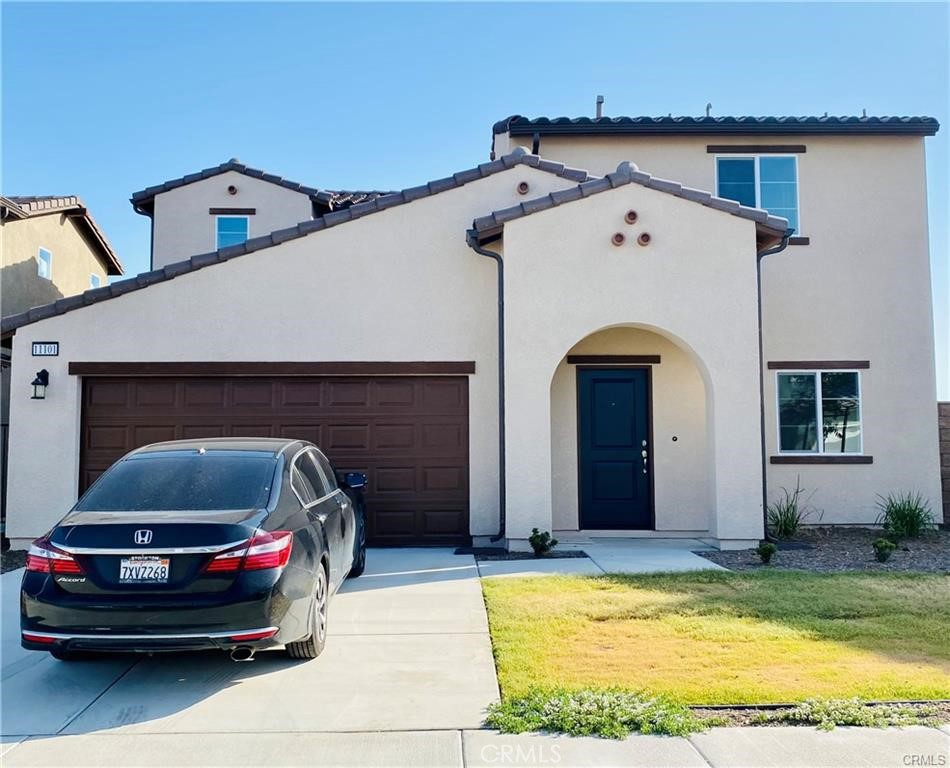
610	555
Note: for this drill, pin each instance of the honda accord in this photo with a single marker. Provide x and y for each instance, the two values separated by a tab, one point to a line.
229	543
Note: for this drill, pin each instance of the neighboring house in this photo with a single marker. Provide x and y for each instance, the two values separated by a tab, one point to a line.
226	205
620	391
50	248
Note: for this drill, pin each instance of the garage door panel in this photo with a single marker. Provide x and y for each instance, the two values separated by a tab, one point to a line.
204	394
408	435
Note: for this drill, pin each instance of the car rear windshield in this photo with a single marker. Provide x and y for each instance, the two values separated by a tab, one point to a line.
182	482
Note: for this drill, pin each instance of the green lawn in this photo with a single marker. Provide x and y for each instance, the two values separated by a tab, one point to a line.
725	638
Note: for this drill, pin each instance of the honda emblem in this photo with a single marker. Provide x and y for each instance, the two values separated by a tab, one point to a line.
143	536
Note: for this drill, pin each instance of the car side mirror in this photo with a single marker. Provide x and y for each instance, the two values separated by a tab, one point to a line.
354	480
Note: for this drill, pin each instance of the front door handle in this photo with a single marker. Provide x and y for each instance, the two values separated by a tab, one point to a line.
645	456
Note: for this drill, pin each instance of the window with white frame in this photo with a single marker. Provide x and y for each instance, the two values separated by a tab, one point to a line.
763	181
231	230
94	281
819	412
44	266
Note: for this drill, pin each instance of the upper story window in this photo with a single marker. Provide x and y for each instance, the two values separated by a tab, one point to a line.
819	412
94	281
45	264
765	181
232	230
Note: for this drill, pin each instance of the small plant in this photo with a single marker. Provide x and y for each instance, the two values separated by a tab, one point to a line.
787	514
883	549
541	542
825	714
614	714
766	549
904	515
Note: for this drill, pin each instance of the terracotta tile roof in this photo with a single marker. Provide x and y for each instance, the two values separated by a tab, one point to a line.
519	157
26	206
517	125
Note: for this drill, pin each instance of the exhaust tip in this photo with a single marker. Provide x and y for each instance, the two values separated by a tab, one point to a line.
242	653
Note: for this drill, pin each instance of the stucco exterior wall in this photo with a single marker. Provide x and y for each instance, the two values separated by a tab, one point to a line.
680	468
400	297
860	290
565	280
74	262
183	227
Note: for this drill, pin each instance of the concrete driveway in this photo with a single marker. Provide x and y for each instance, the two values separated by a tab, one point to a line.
408	650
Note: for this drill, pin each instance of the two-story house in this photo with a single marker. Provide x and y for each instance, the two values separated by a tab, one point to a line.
632	327
50	247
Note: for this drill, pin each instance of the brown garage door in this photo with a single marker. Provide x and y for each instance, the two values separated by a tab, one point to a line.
408	434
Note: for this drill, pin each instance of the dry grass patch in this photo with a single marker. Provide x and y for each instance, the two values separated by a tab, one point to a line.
725	638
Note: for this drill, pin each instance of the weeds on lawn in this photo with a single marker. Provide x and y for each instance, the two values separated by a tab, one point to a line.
610	713
825	714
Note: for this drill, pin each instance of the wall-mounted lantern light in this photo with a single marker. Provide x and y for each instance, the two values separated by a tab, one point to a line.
40	383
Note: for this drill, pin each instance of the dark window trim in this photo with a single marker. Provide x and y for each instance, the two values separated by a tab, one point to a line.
818	365
232	211
823	458
345	368
755	149
799	241
613	359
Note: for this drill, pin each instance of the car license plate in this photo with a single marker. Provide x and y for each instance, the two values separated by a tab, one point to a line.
143	569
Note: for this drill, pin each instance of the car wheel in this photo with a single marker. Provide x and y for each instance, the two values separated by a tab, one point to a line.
313	646
64	655
359	558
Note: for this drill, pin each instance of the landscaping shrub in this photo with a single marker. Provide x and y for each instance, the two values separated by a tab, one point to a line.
904	515
613	714
883	549
766	549
541	542
787	514
825	714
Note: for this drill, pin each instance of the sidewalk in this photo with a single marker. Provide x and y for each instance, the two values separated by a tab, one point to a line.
722	747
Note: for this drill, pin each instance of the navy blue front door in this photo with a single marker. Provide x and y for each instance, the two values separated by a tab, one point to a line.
614	449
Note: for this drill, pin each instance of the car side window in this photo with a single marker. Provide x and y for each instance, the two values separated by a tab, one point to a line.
301	484
308	467
324	463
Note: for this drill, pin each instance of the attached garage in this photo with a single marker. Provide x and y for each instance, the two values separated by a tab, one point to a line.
407	433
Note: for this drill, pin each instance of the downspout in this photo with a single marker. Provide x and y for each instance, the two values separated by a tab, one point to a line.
764	447
471	238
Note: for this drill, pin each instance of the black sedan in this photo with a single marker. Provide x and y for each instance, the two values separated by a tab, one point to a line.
230	543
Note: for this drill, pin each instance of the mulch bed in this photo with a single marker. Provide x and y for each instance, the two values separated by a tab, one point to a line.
10	561
483	557
845	549
735	716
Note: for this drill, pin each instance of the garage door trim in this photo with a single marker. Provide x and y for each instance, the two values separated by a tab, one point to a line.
287	368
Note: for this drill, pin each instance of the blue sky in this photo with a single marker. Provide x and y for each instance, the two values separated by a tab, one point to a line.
104	99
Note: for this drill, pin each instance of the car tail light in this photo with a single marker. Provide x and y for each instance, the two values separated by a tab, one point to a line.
248	636
44	557
31	638
265	550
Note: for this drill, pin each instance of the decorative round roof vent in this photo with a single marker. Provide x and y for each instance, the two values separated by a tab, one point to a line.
523	188
630	217
232	190
644	238
618	238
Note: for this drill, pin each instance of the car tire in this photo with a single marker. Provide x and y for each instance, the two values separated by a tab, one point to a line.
64	655
359	559
313	646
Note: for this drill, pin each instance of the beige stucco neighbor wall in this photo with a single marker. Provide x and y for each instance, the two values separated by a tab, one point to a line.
414	297
680	468
183	227
859	291
74	262
565	280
